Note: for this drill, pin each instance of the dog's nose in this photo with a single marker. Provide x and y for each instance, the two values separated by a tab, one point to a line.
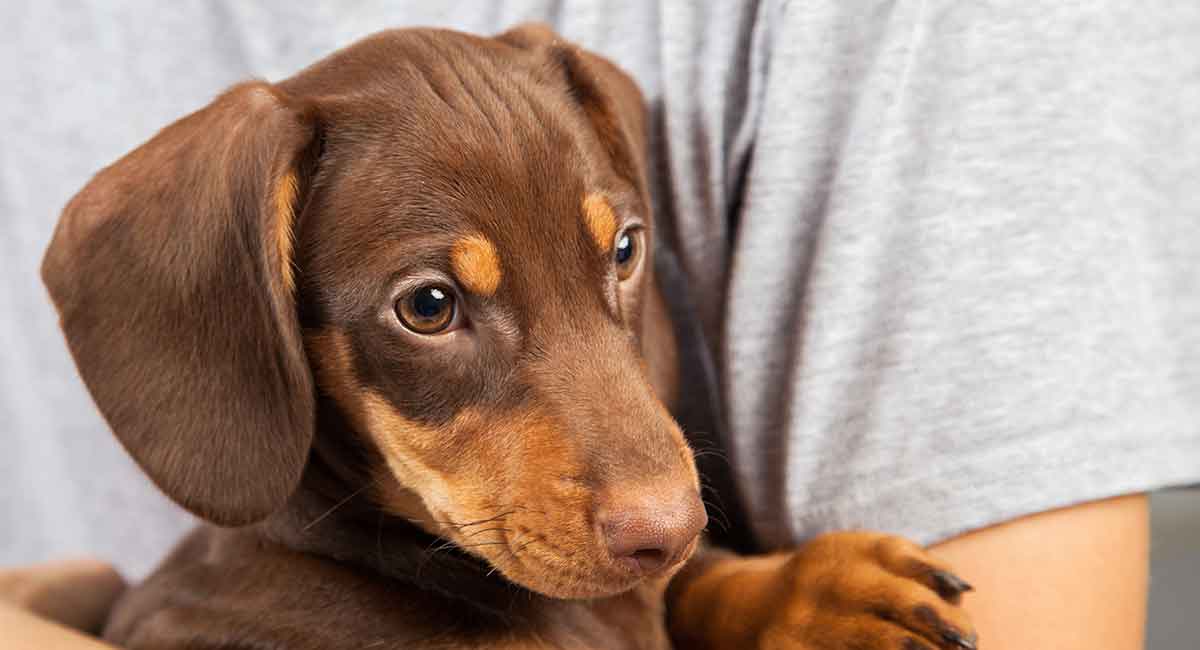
648	533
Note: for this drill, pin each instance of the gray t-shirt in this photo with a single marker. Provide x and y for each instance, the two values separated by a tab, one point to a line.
946	253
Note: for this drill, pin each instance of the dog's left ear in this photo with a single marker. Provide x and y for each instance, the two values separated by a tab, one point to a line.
606	94
172	274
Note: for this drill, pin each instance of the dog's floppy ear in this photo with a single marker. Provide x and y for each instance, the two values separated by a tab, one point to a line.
172	274
607	95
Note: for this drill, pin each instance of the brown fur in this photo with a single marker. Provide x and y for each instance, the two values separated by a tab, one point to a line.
228	291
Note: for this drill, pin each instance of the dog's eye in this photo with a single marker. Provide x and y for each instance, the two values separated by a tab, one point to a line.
627	251
427	310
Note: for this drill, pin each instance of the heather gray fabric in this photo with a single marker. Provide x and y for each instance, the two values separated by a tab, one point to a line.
947	252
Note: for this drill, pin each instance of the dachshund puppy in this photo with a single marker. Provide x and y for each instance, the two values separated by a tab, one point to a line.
392	327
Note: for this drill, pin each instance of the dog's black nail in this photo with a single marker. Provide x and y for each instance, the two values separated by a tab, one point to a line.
950	585
952	636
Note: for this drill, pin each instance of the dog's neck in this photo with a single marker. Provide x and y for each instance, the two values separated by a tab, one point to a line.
330	517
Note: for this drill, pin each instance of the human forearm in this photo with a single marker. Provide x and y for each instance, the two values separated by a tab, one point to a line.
1074	578
53	605
22	629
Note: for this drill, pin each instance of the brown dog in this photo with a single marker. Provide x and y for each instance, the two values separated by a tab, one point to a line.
392	324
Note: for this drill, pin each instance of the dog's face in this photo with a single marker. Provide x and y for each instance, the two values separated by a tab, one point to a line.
442	240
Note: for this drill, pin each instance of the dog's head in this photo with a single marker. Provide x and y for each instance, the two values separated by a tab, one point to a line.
442	239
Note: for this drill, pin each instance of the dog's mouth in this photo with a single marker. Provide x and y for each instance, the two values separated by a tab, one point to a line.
594	555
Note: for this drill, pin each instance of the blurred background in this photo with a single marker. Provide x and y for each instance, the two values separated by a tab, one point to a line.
1174	571
76	100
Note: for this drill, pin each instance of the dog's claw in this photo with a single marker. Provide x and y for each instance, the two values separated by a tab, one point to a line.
965	642
950	585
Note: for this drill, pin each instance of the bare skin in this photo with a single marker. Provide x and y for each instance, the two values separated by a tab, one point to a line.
53	605
1070	579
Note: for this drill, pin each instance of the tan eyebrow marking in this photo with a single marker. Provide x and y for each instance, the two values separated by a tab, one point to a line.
601	221
285	217
476	264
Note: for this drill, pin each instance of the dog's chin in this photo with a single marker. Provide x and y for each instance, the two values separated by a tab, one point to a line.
574	582
568	578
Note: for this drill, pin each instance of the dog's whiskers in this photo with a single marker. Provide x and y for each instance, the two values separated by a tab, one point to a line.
707	450
477	522
335	506
486	530
495	543
714	504
721	519
450	544
522	546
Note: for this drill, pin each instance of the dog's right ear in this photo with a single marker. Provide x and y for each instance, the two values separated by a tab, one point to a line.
172	274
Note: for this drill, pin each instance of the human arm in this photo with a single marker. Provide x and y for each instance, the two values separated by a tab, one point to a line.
54	605
1070	578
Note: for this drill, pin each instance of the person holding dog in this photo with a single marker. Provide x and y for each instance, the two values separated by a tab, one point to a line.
939	259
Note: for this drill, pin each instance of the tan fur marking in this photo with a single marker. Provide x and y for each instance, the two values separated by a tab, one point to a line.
373	416
415	484
511	469
285	216
476	265
601	221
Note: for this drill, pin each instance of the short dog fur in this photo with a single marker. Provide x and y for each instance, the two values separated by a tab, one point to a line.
392	326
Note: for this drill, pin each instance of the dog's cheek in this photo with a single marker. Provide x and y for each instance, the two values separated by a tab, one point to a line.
408	485
519	472
423	459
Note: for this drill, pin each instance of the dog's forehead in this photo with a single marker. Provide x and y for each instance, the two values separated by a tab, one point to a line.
473	158
482	196
507	192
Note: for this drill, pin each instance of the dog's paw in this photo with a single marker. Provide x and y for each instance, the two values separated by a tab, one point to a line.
866	591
